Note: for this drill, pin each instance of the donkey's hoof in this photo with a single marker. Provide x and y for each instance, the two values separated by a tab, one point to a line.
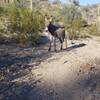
55	50
49	49
61	49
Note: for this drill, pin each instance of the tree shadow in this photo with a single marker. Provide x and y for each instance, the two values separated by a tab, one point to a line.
17	60
12	53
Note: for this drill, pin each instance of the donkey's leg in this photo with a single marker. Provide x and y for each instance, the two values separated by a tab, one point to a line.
50	46
66	41
61	46
51	39
55	43
61	39
61	43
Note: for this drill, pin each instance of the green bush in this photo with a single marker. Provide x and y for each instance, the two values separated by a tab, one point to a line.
1	10
73	21
93	30
25	23
2	20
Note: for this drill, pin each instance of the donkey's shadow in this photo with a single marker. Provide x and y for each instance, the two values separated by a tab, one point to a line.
76	46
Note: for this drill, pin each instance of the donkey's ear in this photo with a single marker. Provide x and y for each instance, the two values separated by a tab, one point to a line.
45	15
51	16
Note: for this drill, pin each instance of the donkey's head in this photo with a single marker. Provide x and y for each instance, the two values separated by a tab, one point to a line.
48	20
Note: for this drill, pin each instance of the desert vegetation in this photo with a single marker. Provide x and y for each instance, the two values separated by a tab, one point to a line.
22	24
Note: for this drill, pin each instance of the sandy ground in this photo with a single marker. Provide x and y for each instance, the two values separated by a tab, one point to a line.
73	74
61	74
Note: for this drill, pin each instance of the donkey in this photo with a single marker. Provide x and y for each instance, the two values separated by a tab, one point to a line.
57	32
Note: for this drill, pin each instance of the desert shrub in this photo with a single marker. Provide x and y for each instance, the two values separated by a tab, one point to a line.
25	23
2	11
93	29
2	20
84	23
73	21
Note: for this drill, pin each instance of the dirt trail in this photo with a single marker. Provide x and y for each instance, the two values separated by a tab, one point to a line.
62	73
72	74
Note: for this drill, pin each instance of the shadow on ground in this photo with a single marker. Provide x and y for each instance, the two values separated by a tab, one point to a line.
87	87
76	46
17	61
